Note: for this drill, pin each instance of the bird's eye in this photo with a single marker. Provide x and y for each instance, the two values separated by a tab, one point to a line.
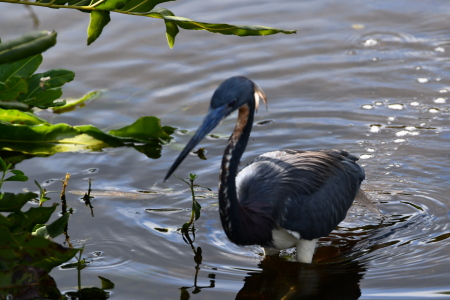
232	103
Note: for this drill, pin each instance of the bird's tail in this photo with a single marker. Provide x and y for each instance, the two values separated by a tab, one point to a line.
363	199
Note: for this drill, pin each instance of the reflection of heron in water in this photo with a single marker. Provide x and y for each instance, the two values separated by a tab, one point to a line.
283	198
280	279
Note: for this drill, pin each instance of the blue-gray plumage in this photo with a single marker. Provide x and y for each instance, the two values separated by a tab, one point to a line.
283	198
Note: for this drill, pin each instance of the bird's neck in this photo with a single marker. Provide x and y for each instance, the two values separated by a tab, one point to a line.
228	200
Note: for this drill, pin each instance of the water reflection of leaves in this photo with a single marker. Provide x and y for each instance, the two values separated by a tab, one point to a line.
87	198
88	292
198	260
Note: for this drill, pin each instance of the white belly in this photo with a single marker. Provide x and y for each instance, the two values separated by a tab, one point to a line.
283	239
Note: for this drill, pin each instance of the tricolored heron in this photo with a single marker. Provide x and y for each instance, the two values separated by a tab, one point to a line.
283	198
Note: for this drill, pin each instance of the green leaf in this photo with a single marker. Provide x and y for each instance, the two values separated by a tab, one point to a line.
10	202
27	45
12	88
27	282
54	229
171	27
62	2
4	221
42	196
145	129
46	98
17	172
44	88
14	116
196	207
47	139
55	78
80	265
99	19
14	105
25	221
184	294
18	176
142	5
36	228
109	4
22	68
106	283
173	22
185	227
171	32
71	104
227	29
89	293
152	149
3	165
26	249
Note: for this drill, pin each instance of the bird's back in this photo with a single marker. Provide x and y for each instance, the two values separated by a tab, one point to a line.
308	192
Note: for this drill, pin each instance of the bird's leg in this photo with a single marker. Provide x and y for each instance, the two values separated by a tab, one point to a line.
271	251
305	250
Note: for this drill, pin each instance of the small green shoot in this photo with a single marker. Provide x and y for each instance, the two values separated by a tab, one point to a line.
80	265
5	168
196	207
42	194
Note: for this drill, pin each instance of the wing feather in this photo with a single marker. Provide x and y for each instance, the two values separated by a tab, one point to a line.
308	192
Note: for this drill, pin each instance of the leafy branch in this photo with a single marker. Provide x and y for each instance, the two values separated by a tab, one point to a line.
100	16
22	90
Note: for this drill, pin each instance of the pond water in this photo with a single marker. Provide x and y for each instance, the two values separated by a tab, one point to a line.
370	77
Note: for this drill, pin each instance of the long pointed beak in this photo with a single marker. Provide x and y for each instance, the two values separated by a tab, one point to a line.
210	122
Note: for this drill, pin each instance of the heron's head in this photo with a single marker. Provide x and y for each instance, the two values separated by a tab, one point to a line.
233	93
229	96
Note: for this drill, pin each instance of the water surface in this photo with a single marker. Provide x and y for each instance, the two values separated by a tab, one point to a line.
368	77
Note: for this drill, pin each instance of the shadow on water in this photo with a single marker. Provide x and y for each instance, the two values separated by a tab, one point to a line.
280	279
337	270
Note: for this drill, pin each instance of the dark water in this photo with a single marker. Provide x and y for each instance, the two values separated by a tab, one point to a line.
371	77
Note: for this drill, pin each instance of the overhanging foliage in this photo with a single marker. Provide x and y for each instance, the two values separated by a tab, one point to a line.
99	11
